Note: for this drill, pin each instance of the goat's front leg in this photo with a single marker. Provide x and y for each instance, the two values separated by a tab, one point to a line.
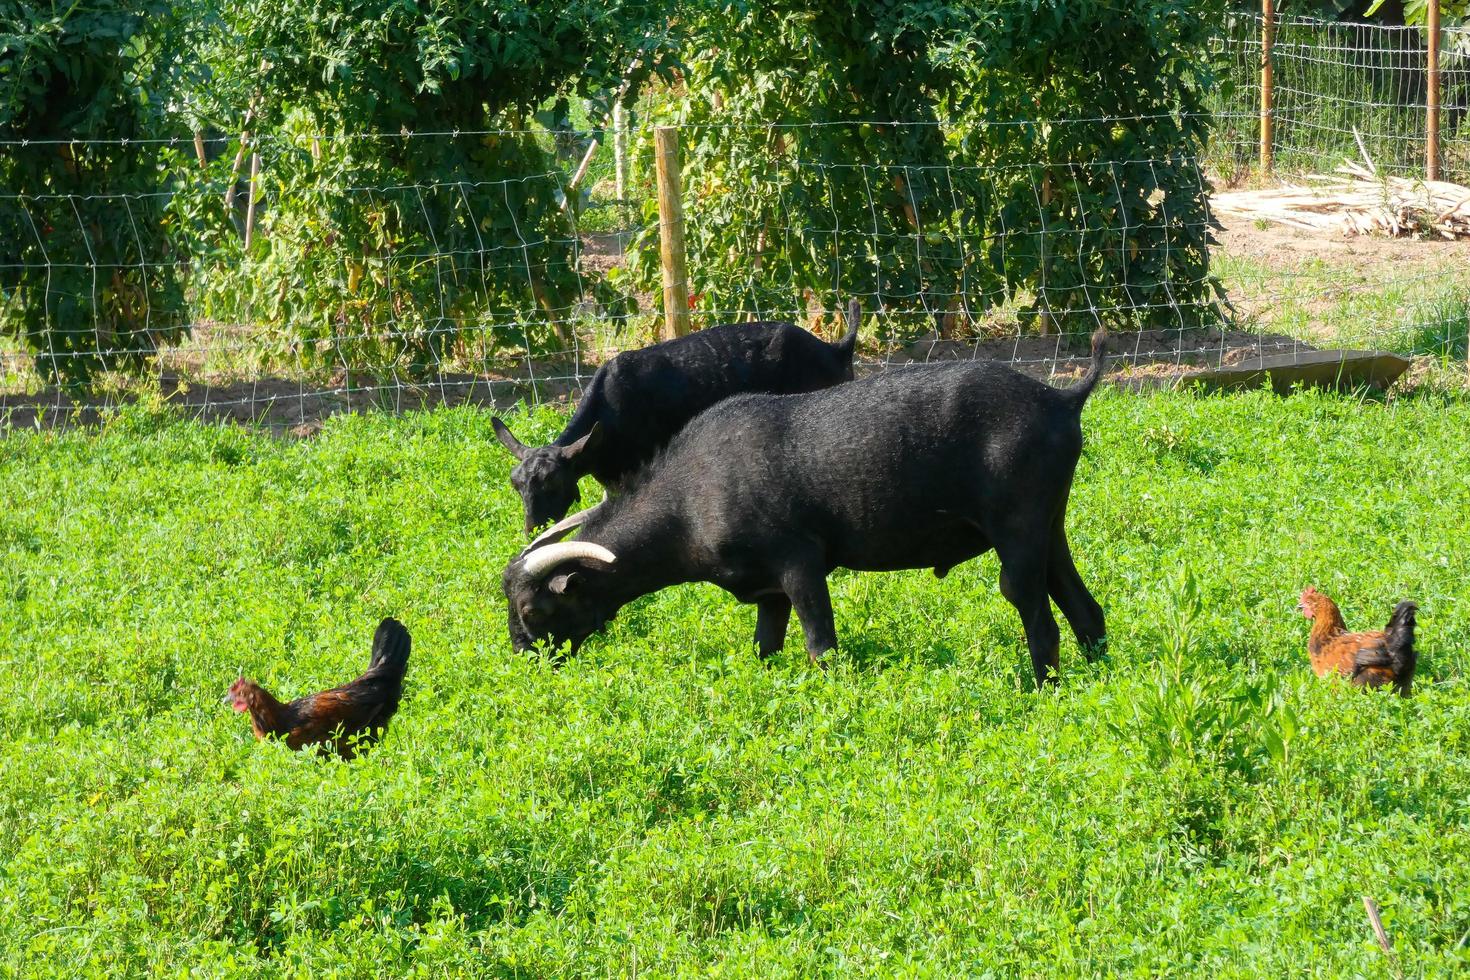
772	615
807	589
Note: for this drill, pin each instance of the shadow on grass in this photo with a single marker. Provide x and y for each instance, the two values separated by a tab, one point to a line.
870	653
509	876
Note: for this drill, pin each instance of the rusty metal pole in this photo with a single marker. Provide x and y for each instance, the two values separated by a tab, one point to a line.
1431	109
671	232
1268	84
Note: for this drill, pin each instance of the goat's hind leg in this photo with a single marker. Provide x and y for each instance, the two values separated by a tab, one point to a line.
1083	613
807	589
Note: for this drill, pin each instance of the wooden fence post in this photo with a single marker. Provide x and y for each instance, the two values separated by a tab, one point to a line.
1431	148
671	232
1268	84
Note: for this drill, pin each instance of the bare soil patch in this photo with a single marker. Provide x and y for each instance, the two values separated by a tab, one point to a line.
1277	245
295	407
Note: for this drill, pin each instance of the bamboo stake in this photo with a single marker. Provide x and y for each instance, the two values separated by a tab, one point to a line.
254	193
1431	149
592	147
199	148
1268	84
576	181
671	232
235	167
620	150
244	141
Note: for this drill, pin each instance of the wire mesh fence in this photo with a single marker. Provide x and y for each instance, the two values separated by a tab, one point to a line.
1342	92
286	276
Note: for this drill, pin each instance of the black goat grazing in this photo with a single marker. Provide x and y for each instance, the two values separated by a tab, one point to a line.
763	495
639	399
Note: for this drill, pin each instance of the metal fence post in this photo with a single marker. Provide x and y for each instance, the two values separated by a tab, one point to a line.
671	232
1431	109
1268	83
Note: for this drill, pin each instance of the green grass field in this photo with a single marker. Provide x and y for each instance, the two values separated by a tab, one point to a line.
1198	804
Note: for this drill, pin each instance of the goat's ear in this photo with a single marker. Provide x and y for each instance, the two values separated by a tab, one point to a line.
590	441
508	439
563	583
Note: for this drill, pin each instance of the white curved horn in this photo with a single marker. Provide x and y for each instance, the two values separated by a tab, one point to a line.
561	528
540	562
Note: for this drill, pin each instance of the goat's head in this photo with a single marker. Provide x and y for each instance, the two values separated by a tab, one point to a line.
546	476
552	593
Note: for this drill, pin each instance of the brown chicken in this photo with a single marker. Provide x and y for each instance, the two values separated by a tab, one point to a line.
1377	658
343	718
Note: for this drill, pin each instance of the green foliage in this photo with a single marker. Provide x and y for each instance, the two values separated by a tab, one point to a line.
379	250
1205	718
971	202
383	264
371	248
89	275
1417	11
436	66
664	803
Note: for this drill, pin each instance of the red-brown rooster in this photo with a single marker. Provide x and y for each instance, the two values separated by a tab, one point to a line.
344	717
1377	658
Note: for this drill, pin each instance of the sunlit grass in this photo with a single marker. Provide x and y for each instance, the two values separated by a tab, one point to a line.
666	803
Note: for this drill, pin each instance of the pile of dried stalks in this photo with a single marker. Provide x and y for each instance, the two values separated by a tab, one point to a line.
1362	205
1360	202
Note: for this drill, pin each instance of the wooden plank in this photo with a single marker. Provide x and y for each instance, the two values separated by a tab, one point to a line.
1334	369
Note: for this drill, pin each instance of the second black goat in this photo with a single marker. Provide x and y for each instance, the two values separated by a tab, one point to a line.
640	398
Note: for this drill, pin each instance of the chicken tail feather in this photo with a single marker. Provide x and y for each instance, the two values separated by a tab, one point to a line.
1397	652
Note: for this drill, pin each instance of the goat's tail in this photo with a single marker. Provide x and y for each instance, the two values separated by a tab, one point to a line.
848	343
1397	653
391	646
1079	391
